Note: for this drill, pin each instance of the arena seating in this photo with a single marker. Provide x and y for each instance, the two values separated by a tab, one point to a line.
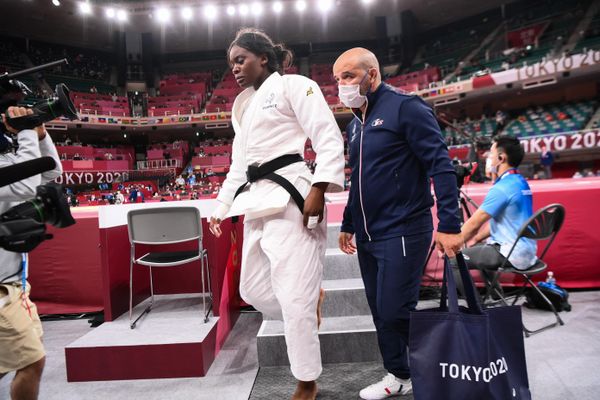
180	94
542	120
417	80
322	74
10	55
591	36
552	119
100	104
557	22
88	70
90	158
178	151
224	94
173	105
83	63
445	51
482	127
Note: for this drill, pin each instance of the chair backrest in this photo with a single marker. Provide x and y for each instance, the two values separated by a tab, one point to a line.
543	224
162	225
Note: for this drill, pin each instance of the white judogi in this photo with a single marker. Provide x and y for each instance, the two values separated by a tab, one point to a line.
281	259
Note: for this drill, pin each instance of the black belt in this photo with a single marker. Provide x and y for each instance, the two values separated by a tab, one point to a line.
267	171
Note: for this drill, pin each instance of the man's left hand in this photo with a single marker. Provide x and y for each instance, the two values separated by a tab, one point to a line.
449	243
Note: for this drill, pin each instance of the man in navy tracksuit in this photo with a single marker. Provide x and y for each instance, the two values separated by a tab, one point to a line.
395	148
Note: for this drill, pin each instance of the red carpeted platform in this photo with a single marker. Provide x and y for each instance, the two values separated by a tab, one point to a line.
574	257
171	341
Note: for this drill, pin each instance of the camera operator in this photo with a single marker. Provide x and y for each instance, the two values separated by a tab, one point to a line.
20	326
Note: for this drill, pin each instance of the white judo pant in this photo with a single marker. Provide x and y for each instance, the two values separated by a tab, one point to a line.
281	274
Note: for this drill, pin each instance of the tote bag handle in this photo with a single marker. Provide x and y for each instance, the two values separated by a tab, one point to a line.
449	299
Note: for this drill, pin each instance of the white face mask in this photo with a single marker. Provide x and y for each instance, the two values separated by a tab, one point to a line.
494	169
350	94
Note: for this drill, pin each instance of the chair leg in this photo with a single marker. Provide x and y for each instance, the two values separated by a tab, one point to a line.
130	291
133	324
559	320
520	293
206	287
203	289
490	289
208	281
151	289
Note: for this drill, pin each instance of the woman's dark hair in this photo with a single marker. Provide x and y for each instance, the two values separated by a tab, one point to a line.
259	43
511	146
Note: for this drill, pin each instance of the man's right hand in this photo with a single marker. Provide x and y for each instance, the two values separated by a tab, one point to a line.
15	112
215	227
346	243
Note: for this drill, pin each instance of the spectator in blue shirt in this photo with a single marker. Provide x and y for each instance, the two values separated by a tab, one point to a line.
507	206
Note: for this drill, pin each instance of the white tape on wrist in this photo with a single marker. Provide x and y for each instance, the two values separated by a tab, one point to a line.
312	222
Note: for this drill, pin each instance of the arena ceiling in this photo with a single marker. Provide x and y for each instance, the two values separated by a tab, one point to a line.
347	20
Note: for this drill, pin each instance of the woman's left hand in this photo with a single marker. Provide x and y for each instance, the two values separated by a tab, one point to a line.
314	204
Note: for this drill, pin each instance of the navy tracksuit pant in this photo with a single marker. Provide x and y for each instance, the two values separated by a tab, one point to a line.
391	270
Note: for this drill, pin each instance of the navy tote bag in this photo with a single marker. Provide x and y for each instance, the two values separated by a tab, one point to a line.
467	353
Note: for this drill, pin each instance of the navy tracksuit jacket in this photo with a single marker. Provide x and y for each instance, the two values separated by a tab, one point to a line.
392	157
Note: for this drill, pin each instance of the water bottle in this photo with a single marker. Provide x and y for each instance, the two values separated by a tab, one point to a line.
550	278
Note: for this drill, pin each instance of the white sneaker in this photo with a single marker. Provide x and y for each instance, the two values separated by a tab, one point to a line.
389	386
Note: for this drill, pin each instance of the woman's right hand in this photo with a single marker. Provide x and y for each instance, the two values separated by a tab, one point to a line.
215	227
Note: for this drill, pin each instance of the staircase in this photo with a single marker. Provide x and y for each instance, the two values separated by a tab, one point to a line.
347	333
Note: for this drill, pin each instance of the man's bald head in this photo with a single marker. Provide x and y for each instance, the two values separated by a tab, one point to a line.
358	57
350	68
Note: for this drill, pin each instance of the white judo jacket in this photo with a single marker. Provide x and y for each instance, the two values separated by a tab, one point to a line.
283	113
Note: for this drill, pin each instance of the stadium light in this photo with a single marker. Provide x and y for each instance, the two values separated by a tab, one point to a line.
187	13
85	8
121	15
257	9
367	1
325	5
277	7
163	15
300	5
210	12
231	10
110	13
243	10
56	3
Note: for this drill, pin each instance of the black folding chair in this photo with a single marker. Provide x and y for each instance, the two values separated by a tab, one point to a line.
542	225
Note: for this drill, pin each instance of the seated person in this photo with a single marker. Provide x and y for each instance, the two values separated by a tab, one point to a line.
507	206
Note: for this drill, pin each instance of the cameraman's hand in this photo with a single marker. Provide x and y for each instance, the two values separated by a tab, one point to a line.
41	131
15	112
